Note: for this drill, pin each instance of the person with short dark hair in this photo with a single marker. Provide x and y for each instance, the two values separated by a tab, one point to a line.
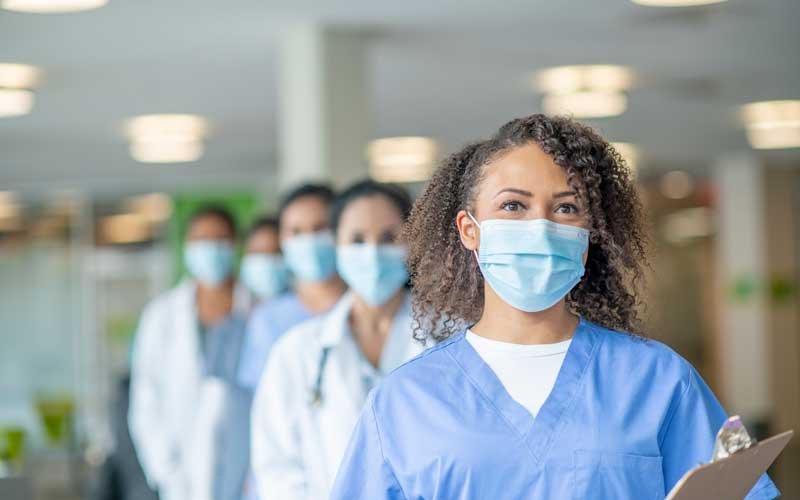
263	269
184	349
309	255
319	373
535	238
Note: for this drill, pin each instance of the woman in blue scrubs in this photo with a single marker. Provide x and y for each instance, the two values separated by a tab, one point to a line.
535	238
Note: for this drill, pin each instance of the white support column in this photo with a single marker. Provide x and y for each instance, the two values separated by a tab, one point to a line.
323	105
741	257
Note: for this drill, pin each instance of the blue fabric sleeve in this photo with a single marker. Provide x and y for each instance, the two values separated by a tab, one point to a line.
253	355
689	433
364	472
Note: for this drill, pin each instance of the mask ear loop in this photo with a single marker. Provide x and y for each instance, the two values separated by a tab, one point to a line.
475	252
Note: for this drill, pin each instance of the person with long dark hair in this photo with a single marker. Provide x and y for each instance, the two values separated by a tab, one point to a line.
534	238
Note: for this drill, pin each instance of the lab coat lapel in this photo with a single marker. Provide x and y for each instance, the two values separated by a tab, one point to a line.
399	347
343	372
187	356
539	433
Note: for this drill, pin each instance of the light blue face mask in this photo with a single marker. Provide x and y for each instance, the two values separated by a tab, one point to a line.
209	261
531	264
310	257
374	272
264	274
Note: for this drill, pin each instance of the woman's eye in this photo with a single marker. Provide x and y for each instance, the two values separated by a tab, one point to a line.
358	238
511	206
567	208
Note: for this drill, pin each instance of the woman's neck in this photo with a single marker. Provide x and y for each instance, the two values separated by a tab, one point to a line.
505	323
319	296
214	303
371	325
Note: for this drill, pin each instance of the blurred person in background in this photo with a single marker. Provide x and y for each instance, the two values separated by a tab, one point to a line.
263	270
535	237
319	373
180	355
309	253
218	467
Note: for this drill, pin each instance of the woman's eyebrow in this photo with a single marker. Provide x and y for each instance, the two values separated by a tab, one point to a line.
564	194
514	190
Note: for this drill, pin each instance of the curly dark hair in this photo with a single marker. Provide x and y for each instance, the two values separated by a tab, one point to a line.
446	280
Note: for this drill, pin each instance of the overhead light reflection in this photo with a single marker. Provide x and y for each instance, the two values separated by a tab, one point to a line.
586	104
402	159
124	228
166	138
51	6
772	124
585	91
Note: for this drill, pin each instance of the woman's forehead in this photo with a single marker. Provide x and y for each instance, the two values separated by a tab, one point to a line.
526	168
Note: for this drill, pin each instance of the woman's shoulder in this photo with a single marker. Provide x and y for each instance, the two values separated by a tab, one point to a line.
635	352
419	371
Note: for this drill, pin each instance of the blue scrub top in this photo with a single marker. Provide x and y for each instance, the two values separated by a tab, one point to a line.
268	322
625	419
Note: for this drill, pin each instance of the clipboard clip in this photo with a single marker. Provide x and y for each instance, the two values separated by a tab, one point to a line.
731	438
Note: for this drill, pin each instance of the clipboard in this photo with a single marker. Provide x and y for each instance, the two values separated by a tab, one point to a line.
731	477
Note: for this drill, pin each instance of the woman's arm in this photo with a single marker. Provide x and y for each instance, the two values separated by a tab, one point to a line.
364	473
687	439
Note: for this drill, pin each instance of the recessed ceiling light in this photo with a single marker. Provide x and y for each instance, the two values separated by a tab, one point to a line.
402	159
16	80
156	207
676	3
588	91
125	228
586	104
168	138
19	76
772	124
51	6
15	102
568	79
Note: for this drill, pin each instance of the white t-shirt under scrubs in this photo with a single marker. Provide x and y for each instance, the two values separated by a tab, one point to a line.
528	372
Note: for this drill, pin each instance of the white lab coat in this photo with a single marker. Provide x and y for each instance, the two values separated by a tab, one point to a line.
297	446
170	396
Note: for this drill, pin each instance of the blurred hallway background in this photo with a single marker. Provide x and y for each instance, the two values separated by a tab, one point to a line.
93	205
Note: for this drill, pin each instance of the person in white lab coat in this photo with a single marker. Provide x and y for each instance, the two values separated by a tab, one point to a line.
174	352
318	375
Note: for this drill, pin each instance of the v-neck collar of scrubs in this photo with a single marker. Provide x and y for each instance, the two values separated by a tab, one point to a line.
537	433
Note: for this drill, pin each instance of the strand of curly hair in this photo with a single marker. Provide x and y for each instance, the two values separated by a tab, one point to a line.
447	284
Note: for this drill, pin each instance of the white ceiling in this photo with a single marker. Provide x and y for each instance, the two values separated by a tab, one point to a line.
453	69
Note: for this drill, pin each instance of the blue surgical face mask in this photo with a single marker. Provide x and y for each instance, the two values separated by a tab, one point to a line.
209	261
374	272
264	274
310	257
531	264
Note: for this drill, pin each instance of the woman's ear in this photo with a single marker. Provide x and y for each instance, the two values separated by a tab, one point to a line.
468	231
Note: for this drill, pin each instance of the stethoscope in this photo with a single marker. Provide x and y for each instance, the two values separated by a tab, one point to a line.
316	392
316	397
